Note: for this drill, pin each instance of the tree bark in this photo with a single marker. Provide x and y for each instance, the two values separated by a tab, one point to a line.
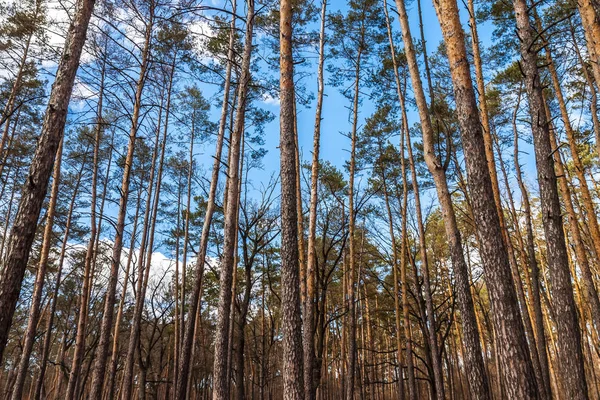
533	266
145	247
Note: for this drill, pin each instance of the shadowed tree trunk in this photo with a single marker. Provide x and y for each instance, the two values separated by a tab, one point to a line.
538	318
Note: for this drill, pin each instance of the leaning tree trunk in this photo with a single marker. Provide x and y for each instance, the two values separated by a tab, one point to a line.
293	379
109	298
570	355
34	190
220	373
519	376
478	383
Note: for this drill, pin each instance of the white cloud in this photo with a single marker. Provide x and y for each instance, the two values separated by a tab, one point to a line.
270	100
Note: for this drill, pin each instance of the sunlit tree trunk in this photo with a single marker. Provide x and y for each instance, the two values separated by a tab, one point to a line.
142	267
183	357
438	375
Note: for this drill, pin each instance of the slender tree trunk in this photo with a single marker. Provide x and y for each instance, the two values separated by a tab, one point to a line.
90	253
525	312
518	369
410	368
34	190
293	379
134	334
352	353
570	354
99	369
309	310
220	373
431	323
114	358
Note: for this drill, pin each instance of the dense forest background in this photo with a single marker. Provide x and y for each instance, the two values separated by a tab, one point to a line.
299	199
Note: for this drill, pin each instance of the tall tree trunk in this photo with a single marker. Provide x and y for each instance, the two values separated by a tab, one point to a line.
519	376
410	368
90	254
570	355
438	377
114	357
220	373
293	379
99	369
525	312
351	370
34	190
309	309
36	301
140	290
478	383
